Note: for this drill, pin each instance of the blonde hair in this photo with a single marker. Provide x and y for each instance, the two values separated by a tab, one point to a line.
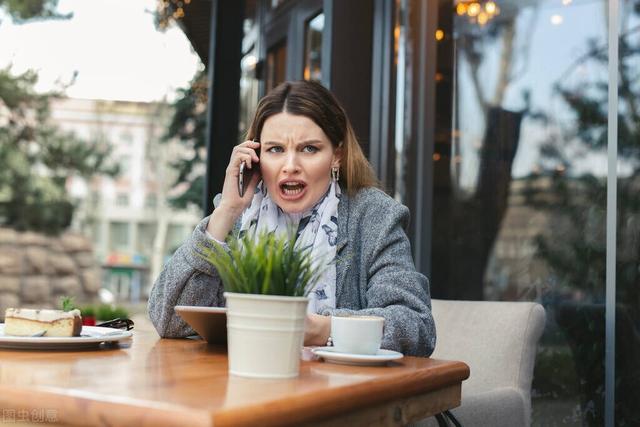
312	100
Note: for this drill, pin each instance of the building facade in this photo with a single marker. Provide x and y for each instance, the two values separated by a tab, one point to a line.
127	216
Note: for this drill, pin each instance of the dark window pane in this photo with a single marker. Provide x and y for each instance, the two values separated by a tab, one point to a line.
627	369
276	65
249	83
313	48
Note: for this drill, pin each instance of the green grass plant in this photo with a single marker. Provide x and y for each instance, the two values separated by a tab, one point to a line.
109	312
67	303
265	264
88	311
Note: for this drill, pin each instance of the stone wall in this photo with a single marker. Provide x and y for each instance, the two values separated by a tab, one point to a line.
37	270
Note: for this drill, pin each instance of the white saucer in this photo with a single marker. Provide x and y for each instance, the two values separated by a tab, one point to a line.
382	357
90	337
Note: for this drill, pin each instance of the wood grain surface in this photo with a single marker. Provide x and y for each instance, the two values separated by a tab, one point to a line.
158	382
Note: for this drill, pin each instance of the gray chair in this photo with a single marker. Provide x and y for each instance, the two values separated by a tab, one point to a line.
498	341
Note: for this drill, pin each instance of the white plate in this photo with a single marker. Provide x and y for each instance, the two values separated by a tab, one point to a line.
209	322
90	337
331	355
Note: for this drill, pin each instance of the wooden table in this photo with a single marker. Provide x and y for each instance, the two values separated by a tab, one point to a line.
163	382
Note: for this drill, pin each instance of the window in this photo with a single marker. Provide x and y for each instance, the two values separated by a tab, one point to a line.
313	48
126	137
176	235
150	201
518	176
119	236
122	200
276	65
146	235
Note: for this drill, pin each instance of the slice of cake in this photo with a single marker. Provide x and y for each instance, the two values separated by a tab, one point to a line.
26	322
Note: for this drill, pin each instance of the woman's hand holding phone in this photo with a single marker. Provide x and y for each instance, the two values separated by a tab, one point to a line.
246	173
232	204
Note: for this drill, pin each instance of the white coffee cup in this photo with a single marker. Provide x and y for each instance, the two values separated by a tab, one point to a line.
357	334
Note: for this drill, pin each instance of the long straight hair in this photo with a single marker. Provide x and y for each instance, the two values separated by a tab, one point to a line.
314	101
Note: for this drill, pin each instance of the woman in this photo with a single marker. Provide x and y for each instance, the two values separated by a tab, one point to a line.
313	176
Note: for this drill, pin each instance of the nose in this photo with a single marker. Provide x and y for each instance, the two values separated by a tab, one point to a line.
291	163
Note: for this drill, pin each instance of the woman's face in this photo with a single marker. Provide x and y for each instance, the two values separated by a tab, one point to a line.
296	158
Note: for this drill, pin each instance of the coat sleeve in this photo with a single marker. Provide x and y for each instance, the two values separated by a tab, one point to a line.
395	290
187	279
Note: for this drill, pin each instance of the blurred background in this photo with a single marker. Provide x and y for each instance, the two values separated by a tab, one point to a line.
93	180
488	119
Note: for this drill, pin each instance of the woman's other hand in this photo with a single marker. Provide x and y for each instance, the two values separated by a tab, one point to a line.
317	330
232	205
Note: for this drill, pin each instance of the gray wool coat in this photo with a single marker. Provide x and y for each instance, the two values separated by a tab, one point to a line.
375	275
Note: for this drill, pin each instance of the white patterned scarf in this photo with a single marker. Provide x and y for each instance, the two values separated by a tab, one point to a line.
317	228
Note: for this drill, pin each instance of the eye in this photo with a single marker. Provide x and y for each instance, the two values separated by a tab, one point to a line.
310	149
275	149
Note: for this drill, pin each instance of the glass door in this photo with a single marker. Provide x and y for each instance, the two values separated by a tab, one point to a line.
276	65
294	34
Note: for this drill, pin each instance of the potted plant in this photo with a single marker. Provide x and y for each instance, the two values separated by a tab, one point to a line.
88	316
267	280
109	312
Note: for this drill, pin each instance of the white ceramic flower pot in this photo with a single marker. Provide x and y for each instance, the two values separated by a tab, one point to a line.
265	334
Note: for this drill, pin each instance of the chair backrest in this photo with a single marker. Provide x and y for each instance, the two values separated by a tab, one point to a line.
496	339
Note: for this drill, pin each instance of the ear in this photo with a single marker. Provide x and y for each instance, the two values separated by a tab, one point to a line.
337	156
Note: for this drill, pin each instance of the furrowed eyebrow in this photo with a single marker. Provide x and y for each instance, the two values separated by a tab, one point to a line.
310	141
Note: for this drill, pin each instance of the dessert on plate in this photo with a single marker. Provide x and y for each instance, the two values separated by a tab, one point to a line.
27	322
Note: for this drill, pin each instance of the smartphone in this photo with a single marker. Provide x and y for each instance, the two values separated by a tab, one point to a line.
245	175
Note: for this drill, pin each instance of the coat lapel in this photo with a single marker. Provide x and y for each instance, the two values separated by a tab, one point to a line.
342	256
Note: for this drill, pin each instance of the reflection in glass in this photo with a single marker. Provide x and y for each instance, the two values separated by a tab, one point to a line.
477	12
313	48
249	82
276	65
520	180
627	373
403	99
249	87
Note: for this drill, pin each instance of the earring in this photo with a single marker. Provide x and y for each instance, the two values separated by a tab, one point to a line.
335	174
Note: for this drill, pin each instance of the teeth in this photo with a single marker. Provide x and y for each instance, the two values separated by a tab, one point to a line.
291	189
292	192
291	184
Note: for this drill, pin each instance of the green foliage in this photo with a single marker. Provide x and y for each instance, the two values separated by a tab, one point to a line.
24	10
104	312
37	158
67	304
265	264
88	311
555	373
188	125
108	312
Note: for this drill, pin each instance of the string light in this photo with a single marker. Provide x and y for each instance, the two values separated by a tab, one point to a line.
477	11
179	13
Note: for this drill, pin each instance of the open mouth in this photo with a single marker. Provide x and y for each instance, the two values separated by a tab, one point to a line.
292	188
